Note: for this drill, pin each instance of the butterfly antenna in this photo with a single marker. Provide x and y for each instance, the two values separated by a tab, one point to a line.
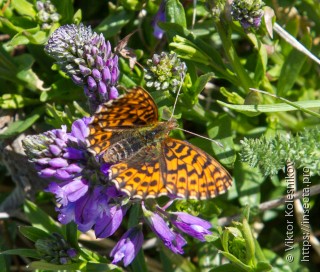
175	102
204	137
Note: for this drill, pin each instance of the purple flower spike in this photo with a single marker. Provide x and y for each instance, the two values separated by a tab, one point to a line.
192	225
128	246
87	58
174	241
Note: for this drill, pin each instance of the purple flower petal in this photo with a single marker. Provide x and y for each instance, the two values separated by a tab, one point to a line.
102	88
63	174
73	154
106	75
58	163
128	246
74	168
174	241
47	172
92	85
76	189
90	207
79	130
191	225
110	222
85	71
113	93
55	150
96	74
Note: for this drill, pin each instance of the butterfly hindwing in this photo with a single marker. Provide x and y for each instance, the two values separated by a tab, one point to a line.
191	173
141	176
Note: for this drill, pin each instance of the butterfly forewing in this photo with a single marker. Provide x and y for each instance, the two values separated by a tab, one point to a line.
158	165
116	117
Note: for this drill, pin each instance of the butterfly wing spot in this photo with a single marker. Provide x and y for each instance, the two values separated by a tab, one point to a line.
192	173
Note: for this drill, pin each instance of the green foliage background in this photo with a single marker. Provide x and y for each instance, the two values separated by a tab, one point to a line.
223	62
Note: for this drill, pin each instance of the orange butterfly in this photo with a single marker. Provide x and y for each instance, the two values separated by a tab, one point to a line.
145	161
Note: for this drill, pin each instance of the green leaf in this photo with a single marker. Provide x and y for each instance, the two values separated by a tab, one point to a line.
175	13
26	252
20	126
72	235
65	9
57	267
230	267
16	101
201	82
25	73
292	67
248	183
220	130
263	266
112	25
139	263
24	8
135	214
183	264
236	261
40	219
101	267
248	237
33	233
278	107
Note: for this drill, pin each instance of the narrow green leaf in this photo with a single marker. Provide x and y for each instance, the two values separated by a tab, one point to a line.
139	263
292	67
39	218
57	267
230	267
278	107
72	235
20	126
236	261
263	267
200	83
101	267
248	237
135	214
26	252
175	13
33	233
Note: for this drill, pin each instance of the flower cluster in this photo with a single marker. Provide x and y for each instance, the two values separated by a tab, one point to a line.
248	13
165	71
87	58
47	14
80	181
55	249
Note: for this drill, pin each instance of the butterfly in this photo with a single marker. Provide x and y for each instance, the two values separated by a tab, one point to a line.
145	161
